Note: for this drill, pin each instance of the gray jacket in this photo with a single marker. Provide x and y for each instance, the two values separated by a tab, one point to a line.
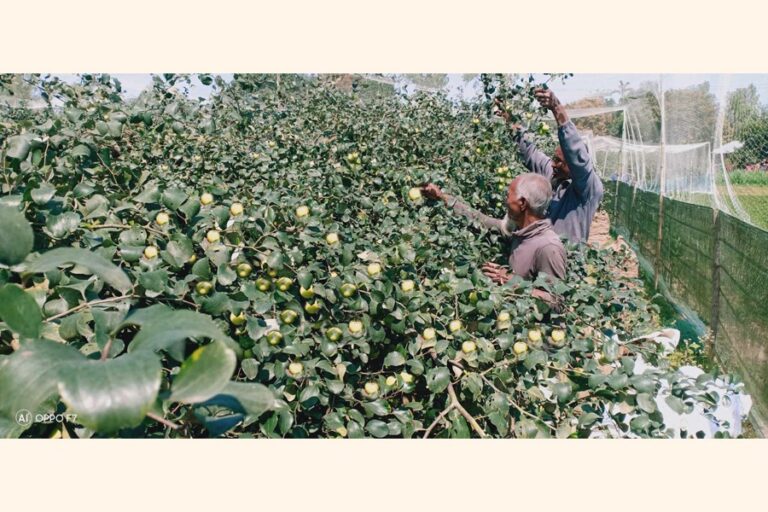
535	248
574	201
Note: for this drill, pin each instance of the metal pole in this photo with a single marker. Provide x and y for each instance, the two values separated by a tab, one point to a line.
662	186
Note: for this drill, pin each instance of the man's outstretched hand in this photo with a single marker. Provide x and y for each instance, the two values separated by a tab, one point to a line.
432	191
496	273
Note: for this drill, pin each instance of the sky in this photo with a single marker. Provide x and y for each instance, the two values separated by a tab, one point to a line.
576	87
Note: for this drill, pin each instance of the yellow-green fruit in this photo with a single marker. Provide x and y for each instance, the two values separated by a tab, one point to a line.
150	252
407	285
162	219
342	431
407	377
332	238
203	287
475	120
284	283
307	293
206	199
295	368
272	272
288	316
468	347
473	298
302	211
263	284
192	258
391	381
374	269
236	209
455	325
371	388
355	327
244	269
534	335
558	335
348	289
414	194
520	347
333	334
312	308
237	319
428	334
213	236
274	337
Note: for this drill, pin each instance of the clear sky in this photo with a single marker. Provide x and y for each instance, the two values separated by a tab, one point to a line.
575	87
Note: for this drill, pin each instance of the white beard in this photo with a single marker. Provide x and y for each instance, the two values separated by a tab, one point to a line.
508	225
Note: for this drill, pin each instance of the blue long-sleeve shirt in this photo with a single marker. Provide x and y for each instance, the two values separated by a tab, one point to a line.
575	200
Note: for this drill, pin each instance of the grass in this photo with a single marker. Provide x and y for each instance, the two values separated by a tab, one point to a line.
754	199
741	177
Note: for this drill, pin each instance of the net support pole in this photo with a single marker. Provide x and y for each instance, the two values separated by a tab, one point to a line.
620	174
662	187
715	280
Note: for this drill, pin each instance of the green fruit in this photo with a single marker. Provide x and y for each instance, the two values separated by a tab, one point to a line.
312	308
468	347
374	269
244	269
414	194
302	211
371	388
237	319
274	337
428	334
288	316
348	290
407	286
284	283
334	334
391	381
306	293
455	325
203	287
295	369
263	284
520	347
407	377
355	327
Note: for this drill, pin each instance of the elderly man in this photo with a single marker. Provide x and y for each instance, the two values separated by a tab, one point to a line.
577	188
535	247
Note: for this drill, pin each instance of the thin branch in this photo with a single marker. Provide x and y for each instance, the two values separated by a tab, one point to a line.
160	419
473	423
88	304
437	420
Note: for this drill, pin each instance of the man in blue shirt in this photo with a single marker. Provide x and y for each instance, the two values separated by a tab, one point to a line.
577	189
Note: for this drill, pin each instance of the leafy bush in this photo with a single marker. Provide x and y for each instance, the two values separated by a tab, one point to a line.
139	302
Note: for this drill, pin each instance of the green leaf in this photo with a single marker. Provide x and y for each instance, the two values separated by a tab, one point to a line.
29	378
246	397
172	198
60	226
43	193
98	265
204	374
394	359
162	327
377	407
646	403
113	394
438	379
18	147
154	281
178	251
377	428
225	275
20	311
675	404
16	237
588	419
